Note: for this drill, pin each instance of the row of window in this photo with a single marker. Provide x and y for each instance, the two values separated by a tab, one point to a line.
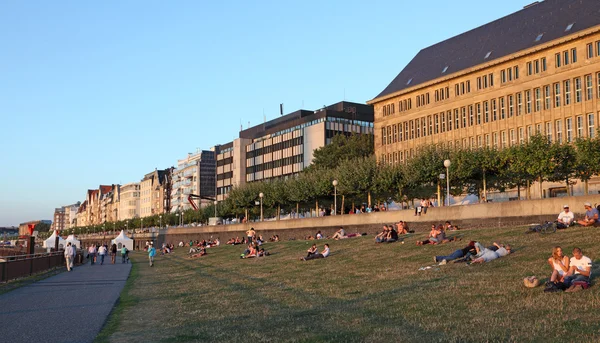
225	161
492	110
275	164
506	75
275	147
561	131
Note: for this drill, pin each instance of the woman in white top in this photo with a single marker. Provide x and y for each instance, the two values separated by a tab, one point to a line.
559	264
324	254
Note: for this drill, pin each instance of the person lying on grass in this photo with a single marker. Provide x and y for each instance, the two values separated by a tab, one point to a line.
559	264
324	254
468	250
200	252
487	255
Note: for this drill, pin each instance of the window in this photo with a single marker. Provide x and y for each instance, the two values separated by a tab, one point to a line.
569	128
536	68
471	115
445	69
579	126
494	110
558	60
495	135
463	112
521	136
511	111
574	55
424	127
409	81
502	109
578	90
544	66
598	48
559	138
456	120
449	117
389	132
491	77
569	27
479	142
457	89
406	137
443	121
479	83
468	86
589	87
519	104
539	37
478	106
503	76
486	110
529	68
485	81
436	121
548	102
530	131
513	138
412	129
566	57
567	92
395	135
400	135
590	51
538	100
528	101
549	131
557	95
591	130
598	80
516	72
487	140
418	128
430	122
503	136
509	72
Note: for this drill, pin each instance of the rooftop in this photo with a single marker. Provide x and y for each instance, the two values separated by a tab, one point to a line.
536	24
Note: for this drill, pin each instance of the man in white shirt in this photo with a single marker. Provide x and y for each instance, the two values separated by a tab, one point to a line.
580	269
69	256
565	218
102	253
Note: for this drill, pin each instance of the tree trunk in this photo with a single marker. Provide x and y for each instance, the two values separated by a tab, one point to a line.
585	187
246	217
353	208
316	208
439	195
297	210
568	188
518	191
342	208
278	211
541	188
528	190
484	186
369	198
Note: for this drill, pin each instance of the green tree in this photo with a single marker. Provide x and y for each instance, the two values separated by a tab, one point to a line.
564	164
341	148
587	163
538	159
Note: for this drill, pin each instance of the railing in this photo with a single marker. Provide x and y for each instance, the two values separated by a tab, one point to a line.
13	267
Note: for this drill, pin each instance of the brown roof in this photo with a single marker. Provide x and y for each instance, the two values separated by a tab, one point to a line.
502	37
105	189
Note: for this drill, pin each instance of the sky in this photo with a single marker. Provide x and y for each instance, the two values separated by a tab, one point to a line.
103	92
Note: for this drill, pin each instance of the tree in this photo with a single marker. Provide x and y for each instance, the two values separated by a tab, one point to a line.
587	162
564	164
538	159
341	148
355	178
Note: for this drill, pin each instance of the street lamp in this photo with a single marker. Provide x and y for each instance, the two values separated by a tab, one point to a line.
261	195
447	165
177	215
141	224
215	203
335	183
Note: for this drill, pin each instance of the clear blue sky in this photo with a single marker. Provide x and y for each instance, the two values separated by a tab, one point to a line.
103	92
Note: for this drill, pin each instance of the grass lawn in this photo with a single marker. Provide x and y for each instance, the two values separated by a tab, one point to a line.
363	292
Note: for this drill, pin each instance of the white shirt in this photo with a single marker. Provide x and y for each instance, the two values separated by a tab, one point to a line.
102	250
69	251
325	252
502	252
581	264
566	217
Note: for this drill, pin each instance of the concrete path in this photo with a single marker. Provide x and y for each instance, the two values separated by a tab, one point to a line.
68	307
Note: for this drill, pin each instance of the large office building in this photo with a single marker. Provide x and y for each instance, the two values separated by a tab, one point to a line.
284	146
195	174
536	70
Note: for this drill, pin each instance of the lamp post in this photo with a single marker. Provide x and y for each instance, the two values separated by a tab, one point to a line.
215	203
335	183
447	164
261	195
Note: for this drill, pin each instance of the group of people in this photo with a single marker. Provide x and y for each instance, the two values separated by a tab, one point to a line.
569	274
475	252
313	253
437	234
566	218
254	250
99	252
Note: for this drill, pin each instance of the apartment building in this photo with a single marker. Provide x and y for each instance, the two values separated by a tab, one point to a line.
129	201
196	175
155	192
536	70
231	162
64	217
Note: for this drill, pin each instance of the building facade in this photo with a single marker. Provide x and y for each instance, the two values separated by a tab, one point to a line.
196	175
155	192
129	201
534	71
284	146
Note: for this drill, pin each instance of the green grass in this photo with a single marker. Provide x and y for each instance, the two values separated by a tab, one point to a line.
363	292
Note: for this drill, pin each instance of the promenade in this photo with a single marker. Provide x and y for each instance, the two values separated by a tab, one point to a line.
68	307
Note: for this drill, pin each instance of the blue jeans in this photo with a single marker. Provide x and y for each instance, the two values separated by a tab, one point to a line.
101	259
577	277
91	257
457	254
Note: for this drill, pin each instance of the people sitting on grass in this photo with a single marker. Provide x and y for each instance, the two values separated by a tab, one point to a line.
312	250
591	216
437	235
382	235
324	254
488	254
565	218
460	253
449	227
339	234
274	238
388	235
250	251
403	228
579	273
199	252
559	264
319	235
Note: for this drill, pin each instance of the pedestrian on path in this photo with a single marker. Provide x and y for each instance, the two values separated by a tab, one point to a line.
69	256
102	252
113	253
74	254
124	257
151	253
92	253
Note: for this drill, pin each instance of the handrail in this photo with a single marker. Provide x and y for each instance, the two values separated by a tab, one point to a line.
25	257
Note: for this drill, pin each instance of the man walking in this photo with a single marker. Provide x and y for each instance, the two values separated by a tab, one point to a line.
151	253
102	252
124	254
69	256
92	253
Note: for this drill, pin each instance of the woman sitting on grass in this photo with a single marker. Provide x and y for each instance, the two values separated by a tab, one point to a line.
201	252
250	251
312	250
559	264
437	235
339	234
324	254
487	255
382	236
402	228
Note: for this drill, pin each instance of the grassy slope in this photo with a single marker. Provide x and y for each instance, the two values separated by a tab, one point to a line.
362	293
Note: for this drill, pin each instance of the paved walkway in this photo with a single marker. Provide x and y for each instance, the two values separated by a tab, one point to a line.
68	307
